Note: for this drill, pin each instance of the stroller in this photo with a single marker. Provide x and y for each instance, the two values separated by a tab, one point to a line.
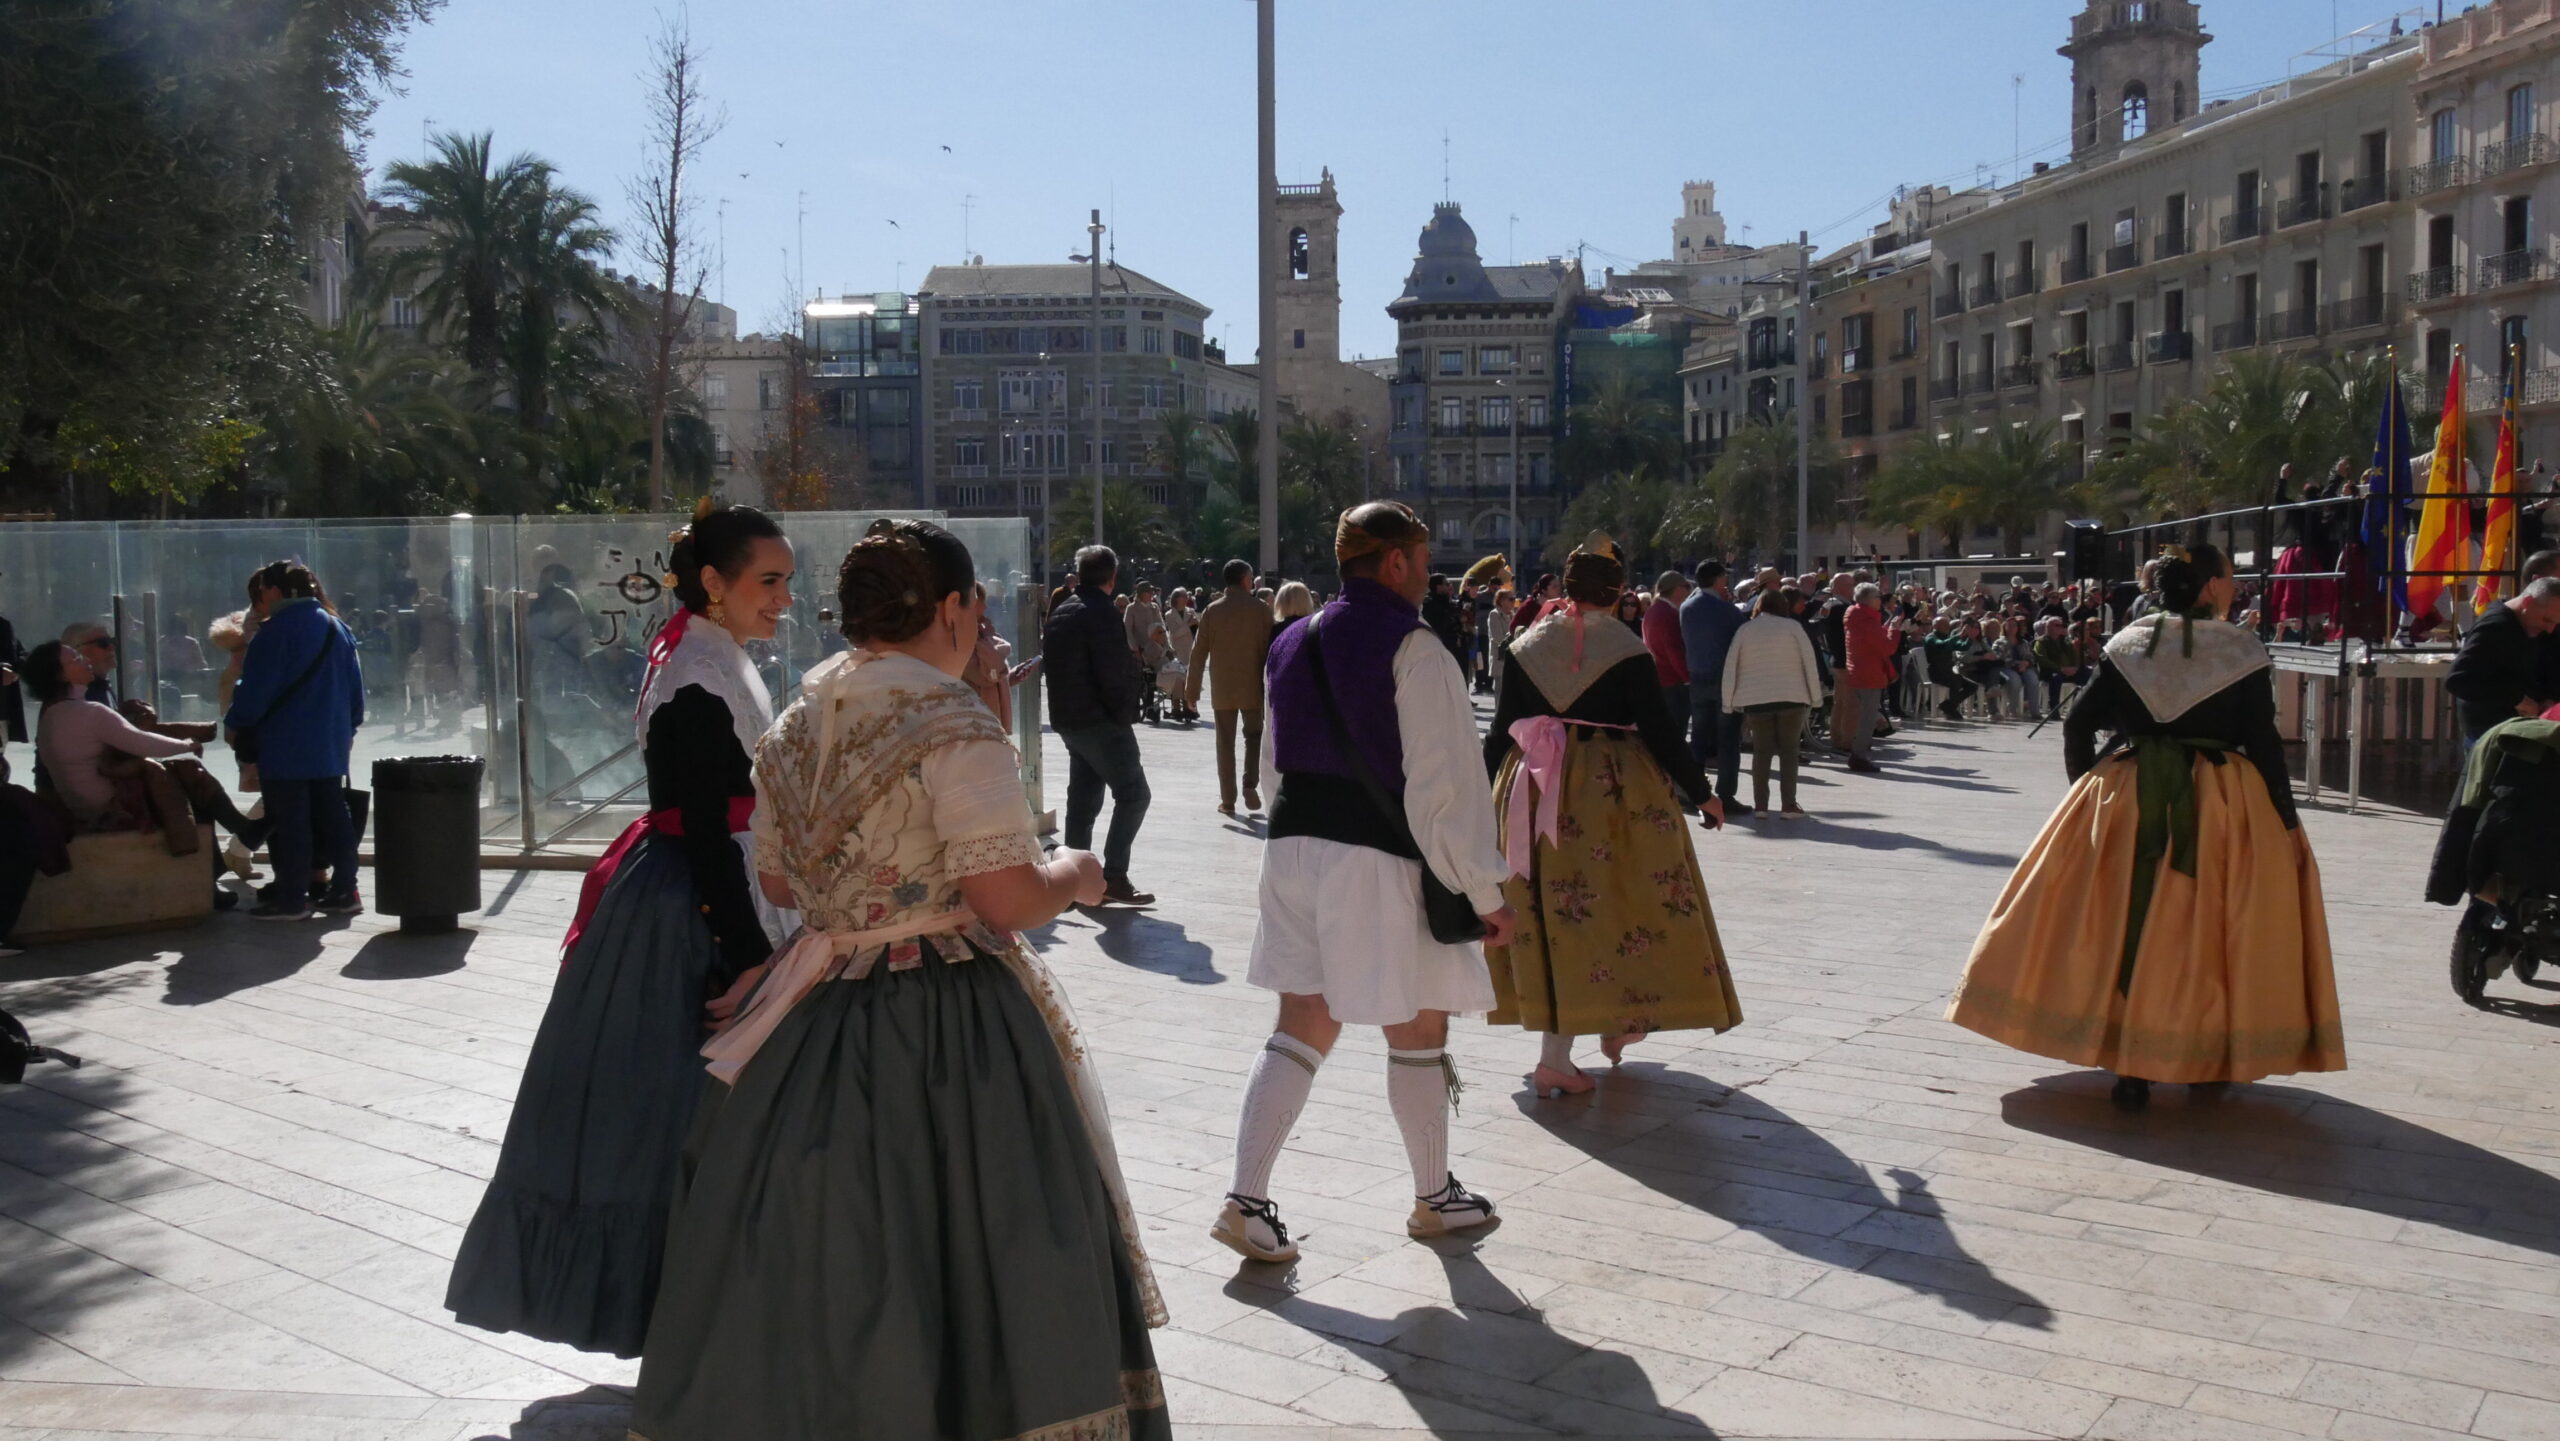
17	1052
2498	856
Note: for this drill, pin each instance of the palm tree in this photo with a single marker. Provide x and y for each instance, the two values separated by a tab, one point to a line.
1749	501
1134	526
464	271
1618	431
1243	432
559	295
1925	488
1632	509
369	427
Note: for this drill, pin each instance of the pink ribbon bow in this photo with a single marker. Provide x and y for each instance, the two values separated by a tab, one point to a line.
1537	788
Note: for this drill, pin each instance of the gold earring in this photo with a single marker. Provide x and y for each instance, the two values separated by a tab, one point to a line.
719	611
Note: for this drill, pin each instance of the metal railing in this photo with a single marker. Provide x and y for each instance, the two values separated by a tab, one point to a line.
2123	257
2438	175
2360	191
2021	283
2112	358
2075	268
2302	209
2357	312
1855	426
1985	293
2514	268
2246	224
2170	345
1946	389
2019	375
2514	154
2237	334
2170	244
1951	303
2072	364
2440	282
2297	324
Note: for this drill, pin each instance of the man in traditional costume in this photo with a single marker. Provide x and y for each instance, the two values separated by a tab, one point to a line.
1344	934
2167	924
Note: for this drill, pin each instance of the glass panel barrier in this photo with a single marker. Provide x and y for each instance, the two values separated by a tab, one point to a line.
520	640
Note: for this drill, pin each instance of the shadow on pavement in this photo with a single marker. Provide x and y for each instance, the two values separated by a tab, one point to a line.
1747	1162
219	959
1146	942
1825	830
1454	1400
397	956
53	1284
2287	1141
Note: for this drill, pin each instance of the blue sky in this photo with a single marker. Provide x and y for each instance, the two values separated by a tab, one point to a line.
1580	117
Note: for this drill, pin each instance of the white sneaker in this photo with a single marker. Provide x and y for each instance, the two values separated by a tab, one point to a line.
1452	1209
236	856
1791	813
1250	1226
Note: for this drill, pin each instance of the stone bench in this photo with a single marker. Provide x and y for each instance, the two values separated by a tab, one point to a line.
119	881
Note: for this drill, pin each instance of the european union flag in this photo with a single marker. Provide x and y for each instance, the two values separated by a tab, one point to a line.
2386	497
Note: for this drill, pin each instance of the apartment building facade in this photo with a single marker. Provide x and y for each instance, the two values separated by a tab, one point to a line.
1009	409
1475	403
2484	188
866	376
2094	294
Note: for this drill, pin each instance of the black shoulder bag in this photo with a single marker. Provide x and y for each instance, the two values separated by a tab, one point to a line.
1452	916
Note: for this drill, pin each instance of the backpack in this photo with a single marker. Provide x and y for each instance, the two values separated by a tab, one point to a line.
17	1052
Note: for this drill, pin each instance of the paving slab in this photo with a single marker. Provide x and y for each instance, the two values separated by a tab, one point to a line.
1843	1219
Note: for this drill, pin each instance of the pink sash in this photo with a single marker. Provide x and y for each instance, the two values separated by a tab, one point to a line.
1537	788
816	957
669	822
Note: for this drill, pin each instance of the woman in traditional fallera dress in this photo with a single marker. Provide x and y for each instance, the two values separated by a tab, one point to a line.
1591	778
904	1222
2167	924
567	1241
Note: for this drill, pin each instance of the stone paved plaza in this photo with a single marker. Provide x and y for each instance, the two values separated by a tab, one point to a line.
1845	1218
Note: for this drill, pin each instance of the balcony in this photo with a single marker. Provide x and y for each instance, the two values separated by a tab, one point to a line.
2438	175
2170	244
1857	359
1905	419
1977	383
2538	387
1854	427
2020	284
2516	267
2113	358
1818	368
1986	293
2075	268
2516	154
2124	257
2072	364
2360	312
1769	357
1951	303
2364	190
2248	224
2302	209
1947	389
1902	350
2170	346
2442	282
2302	323
2236	334
2020	376
1443	430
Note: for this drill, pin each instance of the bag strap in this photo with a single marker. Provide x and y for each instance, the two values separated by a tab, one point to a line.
1387	805
328	647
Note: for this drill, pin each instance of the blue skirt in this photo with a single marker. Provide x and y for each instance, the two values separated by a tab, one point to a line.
567	1242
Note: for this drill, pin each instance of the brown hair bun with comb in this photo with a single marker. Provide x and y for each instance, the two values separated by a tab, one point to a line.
895	578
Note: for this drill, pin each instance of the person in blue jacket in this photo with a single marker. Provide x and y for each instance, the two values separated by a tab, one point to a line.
1708	620
295	712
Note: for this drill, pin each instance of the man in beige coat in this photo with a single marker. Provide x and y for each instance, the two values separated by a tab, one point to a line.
1234	635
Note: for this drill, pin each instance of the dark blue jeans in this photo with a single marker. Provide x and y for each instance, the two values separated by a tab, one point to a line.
1098	758
1714	734
308	820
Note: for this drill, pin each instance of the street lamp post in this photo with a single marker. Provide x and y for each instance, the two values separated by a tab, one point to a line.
1267	249
1512	543
1802	283
1092	260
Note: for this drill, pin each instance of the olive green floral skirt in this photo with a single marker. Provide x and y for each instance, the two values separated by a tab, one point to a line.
1615	935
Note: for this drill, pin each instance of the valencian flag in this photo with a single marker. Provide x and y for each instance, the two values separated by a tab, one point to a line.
2386	495
2498	542
2444	513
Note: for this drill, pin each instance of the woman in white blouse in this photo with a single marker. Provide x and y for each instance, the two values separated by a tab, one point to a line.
1773	682
905	1219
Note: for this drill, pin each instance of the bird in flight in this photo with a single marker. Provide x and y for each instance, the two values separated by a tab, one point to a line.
893	224
946	149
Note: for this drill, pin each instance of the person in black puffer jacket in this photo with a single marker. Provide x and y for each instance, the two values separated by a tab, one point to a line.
1093	682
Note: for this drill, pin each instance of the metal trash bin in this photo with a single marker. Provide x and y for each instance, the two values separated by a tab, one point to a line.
426	840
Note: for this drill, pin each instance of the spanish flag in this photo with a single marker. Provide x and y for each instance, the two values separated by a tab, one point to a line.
2498	543
2444	512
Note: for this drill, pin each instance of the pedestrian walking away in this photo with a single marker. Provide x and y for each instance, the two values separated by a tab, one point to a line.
297	706
1708	622
2167	924
904	1217
1228	649
1381	777
1614	935
567	1241
1773	681
1093	705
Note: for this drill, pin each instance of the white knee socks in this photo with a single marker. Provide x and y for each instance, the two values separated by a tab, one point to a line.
1556	1053
1282	1076
1420	1085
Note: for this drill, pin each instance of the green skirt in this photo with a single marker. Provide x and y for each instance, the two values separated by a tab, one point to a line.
894	1229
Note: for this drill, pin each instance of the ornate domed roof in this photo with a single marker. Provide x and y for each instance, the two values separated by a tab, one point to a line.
1448	235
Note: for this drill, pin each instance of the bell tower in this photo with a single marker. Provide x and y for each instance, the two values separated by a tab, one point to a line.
1310	279
2134	69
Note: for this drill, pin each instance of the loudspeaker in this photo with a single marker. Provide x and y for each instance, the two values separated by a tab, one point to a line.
2085	558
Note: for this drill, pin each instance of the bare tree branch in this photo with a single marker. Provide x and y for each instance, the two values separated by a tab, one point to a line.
682	121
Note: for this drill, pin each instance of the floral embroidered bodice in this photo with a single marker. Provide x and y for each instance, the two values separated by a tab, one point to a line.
880	788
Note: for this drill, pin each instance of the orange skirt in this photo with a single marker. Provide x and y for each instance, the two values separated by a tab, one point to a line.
2233	979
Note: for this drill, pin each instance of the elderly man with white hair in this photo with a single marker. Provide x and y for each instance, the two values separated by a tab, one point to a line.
1857	697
